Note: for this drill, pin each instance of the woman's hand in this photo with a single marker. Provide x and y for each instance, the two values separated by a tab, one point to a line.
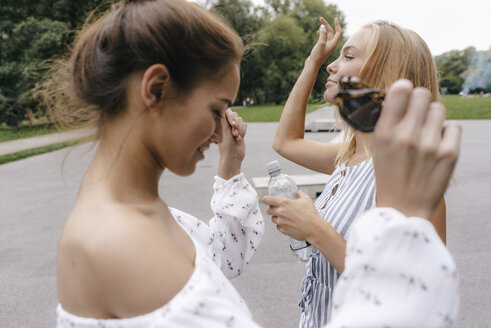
232	147
327	41
297	218
414	151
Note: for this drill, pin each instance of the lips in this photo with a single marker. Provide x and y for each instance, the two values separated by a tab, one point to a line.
204	148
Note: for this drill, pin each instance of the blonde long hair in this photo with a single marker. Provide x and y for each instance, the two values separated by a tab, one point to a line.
393	53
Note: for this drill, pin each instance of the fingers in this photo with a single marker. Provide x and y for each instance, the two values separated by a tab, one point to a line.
450	145
323	21
237	124
322	32
326	33
417	111
276	205
395	105
302	195
275	220
272	211
431	132
339	30
272	200
330	31
231	117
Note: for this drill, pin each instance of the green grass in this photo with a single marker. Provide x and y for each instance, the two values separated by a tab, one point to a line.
36	151
7	134
472	108
267	113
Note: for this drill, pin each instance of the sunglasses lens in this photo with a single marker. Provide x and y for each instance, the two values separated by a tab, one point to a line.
361	113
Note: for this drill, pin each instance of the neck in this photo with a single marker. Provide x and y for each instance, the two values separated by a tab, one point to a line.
123	165
362	151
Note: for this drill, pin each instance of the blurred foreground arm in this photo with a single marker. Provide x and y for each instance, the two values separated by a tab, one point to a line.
397	272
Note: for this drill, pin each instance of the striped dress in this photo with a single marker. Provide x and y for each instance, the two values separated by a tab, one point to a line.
349	192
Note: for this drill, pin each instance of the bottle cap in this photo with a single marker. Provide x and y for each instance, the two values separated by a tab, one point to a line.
273	166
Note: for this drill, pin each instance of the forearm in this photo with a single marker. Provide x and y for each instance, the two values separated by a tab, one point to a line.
330	243
228	167
292	121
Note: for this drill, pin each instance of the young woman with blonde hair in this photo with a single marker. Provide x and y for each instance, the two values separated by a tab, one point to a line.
379	54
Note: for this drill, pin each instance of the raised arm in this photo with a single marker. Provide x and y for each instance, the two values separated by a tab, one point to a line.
289	141
238	225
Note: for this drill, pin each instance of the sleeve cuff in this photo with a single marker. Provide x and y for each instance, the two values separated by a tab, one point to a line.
390	212
221	181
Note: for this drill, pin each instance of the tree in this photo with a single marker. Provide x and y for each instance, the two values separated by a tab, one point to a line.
247	20
282	35
289	39
282	58
22	53
451	66
282	7
31	33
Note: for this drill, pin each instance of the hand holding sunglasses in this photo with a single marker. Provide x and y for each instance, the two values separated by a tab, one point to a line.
359	104
414	151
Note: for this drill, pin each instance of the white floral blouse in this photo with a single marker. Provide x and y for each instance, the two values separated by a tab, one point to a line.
223	248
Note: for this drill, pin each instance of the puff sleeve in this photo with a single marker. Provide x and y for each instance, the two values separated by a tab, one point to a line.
233	234
398	273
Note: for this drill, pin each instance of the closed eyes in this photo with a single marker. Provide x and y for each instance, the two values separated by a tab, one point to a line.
218	113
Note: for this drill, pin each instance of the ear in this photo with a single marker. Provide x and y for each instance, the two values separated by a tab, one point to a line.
154	84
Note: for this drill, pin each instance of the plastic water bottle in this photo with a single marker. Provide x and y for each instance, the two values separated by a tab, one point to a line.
281	185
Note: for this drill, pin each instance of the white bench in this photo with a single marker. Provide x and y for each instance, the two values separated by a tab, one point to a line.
311	184
325	124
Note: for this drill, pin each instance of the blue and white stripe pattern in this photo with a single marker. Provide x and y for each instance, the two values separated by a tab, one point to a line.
349	192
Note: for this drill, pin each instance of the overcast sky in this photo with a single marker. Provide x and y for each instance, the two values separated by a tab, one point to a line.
444	24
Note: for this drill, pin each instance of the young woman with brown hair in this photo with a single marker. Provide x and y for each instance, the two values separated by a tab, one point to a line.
160	76
379	54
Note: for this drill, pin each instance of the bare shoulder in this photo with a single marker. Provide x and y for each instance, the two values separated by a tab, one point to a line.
118	263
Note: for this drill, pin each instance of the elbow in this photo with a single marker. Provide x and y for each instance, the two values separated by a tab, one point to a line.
277	145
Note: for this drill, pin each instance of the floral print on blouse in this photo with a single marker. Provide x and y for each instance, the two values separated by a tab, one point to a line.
207	300
398	273
236	230
223	248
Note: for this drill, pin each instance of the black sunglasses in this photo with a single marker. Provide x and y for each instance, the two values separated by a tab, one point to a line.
359	104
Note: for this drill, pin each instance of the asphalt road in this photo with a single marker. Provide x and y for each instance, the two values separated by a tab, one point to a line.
37	193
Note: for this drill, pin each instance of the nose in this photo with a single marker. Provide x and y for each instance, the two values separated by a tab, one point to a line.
217	136
332	67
